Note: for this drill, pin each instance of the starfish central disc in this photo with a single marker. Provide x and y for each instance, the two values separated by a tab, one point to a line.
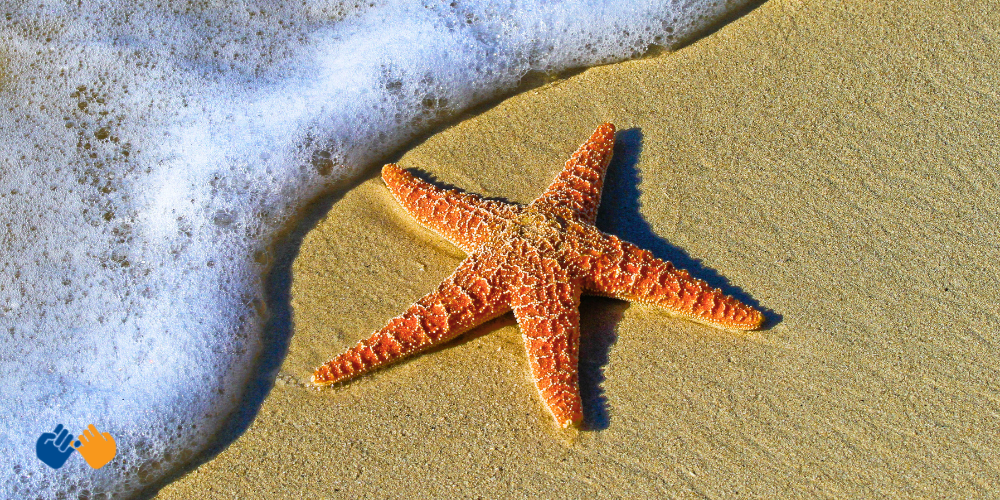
535	260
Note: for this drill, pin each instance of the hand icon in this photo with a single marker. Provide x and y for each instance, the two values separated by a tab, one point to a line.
53	447
97	448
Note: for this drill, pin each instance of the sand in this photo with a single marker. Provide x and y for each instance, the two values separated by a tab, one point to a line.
834	163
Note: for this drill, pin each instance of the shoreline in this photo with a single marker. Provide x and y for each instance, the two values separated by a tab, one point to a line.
775	158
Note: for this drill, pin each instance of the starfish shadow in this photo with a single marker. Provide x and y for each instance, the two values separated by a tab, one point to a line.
621	216
599	317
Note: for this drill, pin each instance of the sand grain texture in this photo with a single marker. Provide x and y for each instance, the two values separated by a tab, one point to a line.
835	161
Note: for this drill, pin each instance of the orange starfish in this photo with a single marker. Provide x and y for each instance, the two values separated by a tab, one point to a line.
536	260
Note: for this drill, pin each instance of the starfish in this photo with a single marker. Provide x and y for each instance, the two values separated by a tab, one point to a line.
535	260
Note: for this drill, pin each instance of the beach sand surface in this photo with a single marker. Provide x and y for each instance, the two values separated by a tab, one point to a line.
834	163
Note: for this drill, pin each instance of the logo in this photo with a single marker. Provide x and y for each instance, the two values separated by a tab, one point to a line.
54	448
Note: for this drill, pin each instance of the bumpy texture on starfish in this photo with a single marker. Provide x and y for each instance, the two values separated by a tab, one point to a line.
535	260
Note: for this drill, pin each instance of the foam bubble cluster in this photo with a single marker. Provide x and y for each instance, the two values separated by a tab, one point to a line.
152	150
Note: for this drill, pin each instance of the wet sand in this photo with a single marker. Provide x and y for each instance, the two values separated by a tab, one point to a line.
834	163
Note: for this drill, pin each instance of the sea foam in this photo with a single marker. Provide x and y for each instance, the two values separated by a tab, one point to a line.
152	151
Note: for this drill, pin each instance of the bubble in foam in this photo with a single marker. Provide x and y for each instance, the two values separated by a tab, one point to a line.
151	154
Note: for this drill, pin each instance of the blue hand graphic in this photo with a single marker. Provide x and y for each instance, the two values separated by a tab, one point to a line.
54	448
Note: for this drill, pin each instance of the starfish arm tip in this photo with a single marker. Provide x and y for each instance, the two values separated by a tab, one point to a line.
571	423
753	321
746	318
389	171
318	379
750	320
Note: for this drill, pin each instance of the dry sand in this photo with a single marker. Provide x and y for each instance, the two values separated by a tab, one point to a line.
836	162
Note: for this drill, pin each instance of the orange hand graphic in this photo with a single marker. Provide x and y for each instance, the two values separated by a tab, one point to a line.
97	448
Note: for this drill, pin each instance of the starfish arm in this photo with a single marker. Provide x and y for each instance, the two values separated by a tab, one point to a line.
625	271
467	298
546	306
465	219
577	189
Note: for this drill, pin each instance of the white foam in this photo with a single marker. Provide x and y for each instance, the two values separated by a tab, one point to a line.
149	154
